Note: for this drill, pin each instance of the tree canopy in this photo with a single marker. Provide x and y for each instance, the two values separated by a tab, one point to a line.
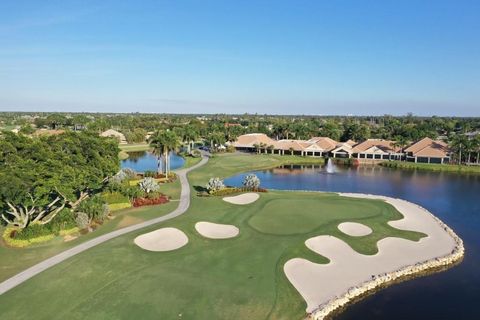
41	174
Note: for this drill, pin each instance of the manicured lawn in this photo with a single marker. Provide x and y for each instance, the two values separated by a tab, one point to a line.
191	161
239	278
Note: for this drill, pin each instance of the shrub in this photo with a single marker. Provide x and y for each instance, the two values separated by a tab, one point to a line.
124	174
82	220
20	243
34	230
94	207
150	174
116	196
195	154
251	181
230	148
148	185
119	206
214	184
139	202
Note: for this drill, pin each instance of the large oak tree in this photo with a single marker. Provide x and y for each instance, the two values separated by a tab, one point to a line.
41	176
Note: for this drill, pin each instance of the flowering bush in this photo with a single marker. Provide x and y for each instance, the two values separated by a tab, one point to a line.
148	185
139	202
251	181
214	184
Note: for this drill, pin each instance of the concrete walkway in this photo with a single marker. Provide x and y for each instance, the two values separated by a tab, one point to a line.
50	262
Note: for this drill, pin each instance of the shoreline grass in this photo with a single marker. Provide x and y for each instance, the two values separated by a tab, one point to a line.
451	168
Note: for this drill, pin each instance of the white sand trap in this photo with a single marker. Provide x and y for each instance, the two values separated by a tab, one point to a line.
216	230
319	283
245	198
164	239
354	229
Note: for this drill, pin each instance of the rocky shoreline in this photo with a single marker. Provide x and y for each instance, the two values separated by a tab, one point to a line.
383	279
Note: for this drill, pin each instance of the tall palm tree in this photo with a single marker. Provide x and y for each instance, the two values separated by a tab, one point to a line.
157	142
189	135
400	142
172	144
458	145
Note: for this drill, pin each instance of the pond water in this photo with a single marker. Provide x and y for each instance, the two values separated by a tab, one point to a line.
455	199
142	161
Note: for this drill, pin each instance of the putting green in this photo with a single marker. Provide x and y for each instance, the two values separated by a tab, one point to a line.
295	216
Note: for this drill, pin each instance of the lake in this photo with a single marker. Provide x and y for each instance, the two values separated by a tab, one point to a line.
455	199
145	161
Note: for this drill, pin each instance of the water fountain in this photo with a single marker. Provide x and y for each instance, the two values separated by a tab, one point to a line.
330	167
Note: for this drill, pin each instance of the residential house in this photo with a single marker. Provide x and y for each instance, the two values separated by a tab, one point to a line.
428	151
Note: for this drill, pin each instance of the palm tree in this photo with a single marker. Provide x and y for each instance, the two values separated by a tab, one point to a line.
458	144
172	143
256	146
400	142
157	142
189	135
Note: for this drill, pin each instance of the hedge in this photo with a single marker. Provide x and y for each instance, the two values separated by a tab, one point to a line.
119	206
114	197
23	243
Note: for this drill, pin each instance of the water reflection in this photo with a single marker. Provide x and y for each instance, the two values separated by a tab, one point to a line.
142	161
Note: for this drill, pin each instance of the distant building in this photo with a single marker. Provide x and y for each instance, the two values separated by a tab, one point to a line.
428	151
377	149
370	150
115	134
248	142
343	149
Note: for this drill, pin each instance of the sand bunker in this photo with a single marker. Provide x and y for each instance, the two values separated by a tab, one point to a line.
245	198
354	229
319	283
216	230
165	239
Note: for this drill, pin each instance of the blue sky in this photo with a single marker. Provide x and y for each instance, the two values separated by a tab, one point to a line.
280	57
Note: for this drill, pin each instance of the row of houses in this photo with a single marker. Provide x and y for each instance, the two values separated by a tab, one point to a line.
424	151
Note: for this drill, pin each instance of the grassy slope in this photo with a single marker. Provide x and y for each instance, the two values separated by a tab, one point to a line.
14	260
207	279
134	147
432	167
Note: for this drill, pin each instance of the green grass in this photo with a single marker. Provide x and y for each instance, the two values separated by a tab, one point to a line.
432	167
134	147
191	161
239	278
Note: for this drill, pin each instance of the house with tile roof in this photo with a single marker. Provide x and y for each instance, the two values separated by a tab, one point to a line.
428	151
377	149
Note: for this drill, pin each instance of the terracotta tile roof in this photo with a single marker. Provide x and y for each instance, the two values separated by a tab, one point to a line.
296	145
251	139
386	146
428	148
324	143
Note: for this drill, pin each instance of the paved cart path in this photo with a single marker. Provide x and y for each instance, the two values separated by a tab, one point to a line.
183	205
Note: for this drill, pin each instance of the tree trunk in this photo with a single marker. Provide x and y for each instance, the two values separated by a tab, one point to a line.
159	164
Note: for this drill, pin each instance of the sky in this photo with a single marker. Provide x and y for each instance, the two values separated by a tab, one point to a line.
319	57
